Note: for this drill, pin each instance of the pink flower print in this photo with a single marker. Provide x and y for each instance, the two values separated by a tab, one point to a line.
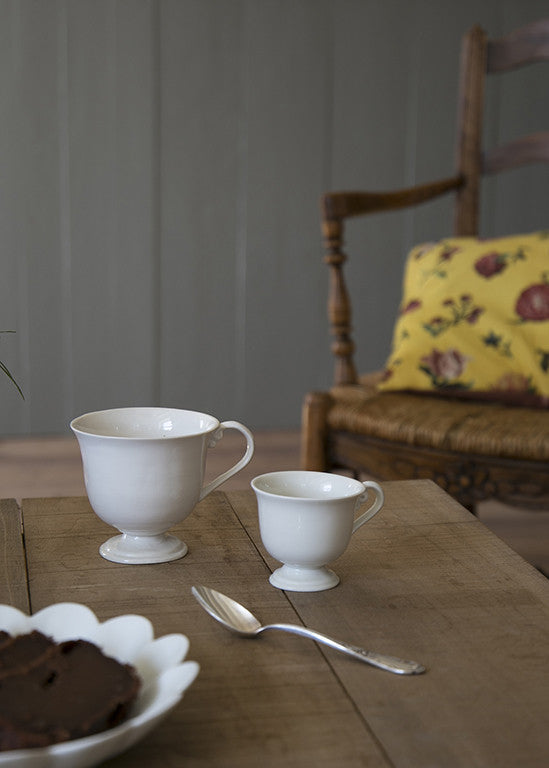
411	306
448	252
464	311
422	250
533	303
493	262
490	264
473	316
444	368
514	382
446	365
436	325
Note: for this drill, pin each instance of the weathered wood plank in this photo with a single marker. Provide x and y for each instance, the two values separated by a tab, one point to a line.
274	702
13	572
426	580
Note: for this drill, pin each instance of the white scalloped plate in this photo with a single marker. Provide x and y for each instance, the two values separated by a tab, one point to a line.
130	639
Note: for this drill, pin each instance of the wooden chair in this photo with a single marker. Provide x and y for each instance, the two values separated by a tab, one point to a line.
494	450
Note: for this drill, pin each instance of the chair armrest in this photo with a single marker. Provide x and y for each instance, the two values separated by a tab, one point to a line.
337	206
342	205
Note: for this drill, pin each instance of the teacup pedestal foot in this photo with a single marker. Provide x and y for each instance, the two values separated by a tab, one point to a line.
295	579
139	550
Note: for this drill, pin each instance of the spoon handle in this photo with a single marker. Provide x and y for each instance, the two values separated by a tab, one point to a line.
381	660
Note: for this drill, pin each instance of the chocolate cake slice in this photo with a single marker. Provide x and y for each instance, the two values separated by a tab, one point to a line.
67	691
17	653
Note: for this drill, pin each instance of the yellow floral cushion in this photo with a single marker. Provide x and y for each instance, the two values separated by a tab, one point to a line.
474	320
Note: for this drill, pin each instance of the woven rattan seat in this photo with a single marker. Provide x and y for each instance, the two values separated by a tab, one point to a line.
448	424
474	449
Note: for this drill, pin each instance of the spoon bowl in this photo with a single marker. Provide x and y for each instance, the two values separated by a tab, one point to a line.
227	611
238	619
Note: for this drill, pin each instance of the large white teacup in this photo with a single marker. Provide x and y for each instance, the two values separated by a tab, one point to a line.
306	520
144	472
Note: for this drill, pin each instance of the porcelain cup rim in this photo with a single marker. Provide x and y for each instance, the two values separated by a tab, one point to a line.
78	424
357	486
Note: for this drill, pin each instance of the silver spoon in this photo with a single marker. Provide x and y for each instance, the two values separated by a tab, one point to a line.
238	619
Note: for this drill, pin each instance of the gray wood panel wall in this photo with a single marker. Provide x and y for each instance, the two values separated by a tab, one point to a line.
161	163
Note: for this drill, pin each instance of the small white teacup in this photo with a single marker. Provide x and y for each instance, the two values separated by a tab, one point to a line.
306	520
144	472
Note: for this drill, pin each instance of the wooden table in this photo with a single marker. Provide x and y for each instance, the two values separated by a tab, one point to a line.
423	580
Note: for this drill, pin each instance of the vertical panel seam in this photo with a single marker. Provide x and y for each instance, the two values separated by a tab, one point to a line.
412	131
329	115
65	239
22	263
157	351
241	254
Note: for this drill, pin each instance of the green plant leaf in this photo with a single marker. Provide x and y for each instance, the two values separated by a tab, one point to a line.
8	372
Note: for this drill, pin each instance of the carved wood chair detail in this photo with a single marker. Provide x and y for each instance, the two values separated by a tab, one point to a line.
352	426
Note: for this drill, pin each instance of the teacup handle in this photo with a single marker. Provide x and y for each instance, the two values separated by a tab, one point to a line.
249	452
374	509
